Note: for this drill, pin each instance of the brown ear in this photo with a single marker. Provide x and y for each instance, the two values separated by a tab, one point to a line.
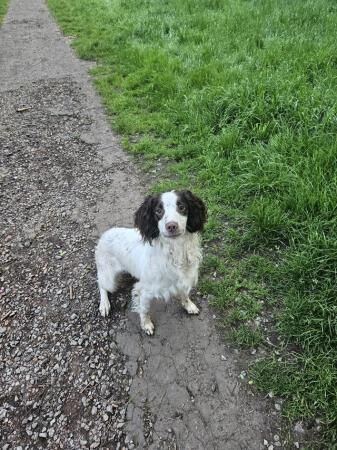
197	211
145	219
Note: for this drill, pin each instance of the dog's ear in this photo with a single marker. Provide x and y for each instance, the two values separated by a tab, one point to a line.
145	219
197	211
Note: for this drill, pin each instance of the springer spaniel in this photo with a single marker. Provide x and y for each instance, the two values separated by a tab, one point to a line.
164	253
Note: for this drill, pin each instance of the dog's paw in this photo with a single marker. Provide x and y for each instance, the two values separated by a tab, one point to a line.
104	309
148	327
190	307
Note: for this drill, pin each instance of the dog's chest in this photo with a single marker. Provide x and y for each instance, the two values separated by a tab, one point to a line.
176	263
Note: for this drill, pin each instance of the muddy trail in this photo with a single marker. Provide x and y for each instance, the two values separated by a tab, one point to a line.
69	378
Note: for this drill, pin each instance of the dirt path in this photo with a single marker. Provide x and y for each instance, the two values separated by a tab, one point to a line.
68	378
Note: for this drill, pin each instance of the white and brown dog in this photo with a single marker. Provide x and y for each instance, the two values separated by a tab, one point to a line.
163	253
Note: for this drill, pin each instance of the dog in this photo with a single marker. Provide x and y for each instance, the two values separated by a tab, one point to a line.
162	252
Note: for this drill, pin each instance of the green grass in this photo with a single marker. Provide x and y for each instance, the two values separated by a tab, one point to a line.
3	9
240	95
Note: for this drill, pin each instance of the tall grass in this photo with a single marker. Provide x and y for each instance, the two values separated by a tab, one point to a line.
241	96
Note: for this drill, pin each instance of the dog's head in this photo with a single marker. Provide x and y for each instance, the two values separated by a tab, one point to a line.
170	215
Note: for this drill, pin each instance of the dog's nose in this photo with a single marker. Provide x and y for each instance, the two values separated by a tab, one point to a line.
172	227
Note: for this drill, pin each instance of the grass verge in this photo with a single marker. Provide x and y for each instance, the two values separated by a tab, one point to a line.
241	97
3	9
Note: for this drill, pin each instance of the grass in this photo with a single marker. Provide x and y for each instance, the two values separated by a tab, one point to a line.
3	9
240	96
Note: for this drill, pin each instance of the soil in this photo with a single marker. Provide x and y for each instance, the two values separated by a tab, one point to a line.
68	377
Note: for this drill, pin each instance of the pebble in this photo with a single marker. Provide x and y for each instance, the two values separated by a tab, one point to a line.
298	428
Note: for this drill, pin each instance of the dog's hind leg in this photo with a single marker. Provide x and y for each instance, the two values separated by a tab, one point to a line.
104	305
107	270
141	302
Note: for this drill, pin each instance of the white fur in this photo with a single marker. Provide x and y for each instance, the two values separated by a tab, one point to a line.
166	268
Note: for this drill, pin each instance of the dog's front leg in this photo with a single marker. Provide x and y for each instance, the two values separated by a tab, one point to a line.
188	305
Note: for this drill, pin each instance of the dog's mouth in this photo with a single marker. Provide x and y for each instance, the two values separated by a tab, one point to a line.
172	236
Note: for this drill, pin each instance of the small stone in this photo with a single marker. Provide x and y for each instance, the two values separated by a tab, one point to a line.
94	445
51	432
296	444
120	425
276	437
277	407
223	358
265	442
93	410
2	331
105	417
271	447
83	443
43	435
298	428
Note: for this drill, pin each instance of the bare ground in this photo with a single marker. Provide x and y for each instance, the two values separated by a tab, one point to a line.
69	378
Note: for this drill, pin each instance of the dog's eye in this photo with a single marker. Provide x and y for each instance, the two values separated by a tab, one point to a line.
181	208
159	211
